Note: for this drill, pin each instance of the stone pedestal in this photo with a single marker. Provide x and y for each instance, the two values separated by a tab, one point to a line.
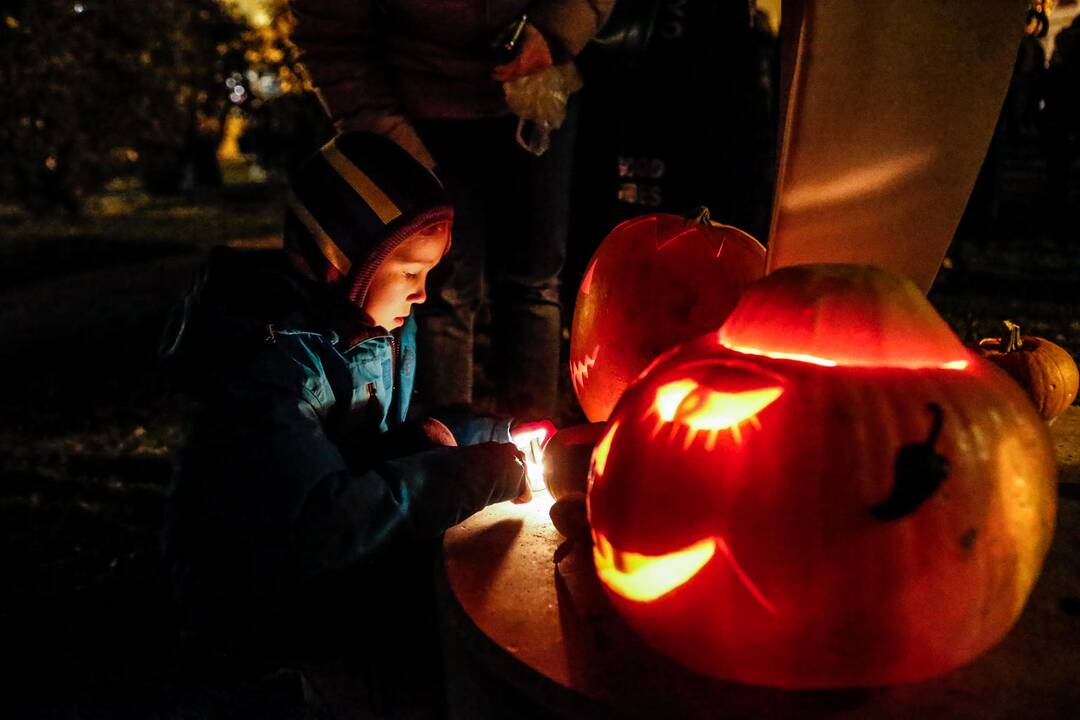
525	638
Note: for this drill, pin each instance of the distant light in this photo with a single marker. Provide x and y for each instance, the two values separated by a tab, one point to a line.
78	8
230	83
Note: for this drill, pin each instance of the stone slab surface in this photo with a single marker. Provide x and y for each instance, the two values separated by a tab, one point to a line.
548	637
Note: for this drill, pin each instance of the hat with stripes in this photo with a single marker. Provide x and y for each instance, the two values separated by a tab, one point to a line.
351	204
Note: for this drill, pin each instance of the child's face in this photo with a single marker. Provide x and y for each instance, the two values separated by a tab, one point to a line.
398	283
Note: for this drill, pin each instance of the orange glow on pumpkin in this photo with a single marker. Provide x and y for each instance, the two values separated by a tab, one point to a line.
797	357
842	316
600	454
825	362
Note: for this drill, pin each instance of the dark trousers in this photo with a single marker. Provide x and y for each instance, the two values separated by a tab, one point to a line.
509	242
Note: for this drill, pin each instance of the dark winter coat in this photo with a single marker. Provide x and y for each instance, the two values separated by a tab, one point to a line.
282	477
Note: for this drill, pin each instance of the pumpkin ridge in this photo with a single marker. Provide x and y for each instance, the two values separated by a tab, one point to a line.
842	315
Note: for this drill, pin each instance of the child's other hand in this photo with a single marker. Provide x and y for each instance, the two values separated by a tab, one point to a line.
526	492
526	488
534	56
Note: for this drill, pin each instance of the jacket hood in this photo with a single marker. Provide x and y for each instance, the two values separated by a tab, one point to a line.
351	204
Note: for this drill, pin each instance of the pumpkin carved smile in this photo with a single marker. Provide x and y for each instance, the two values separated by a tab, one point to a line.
647	577
644	578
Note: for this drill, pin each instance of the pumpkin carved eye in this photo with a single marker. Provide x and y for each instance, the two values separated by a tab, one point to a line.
586	282
703	408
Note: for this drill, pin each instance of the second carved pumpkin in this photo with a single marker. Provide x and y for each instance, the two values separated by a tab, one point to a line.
655	281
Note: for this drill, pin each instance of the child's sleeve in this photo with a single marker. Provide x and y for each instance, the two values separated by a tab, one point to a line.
344	517
470	428
286	492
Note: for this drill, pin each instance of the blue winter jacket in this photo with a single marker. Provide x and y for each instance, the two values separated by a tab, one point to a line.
273	484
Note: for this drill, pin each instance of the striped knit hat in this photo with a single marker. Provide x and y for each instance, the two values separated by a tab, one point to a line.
351	204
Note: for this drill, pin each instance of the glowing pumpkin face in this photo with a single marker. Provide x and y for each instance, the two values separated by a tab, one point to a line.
767	510
655	281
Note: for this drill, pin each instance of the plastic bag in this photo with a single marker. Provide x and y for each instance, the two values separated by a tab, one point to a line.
539	100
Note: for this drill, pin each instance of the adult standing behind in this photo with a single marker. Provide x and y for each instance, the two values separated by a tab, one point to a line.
1061	122
426	75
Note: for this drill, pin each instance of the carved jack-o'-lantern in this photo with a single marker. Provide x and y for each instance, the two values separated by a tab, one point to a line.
830	490
655	281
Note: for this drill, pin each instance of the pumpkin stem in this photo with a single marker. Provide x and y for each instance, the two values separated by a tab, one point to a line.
919	472
702	215
1012	341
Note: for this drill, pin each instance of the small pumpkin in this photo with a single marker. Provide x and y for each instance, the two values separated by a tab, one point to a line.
654	282
567	457
828	491
1046	371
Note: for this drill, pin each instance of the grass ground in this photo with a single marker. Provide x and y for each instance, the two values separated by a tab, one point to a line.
87	423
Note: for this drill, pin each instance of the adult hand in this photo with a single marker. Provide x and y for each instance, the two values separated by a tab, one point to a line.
534	56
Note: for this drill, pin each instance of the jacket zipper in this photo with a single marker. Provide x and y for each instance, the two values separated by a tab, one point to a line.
393	410
393	362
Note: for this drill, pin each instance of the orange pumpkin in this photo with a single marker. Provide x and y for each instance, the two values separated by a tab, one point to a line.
654	282
566	467
1043	369
830	490
566	458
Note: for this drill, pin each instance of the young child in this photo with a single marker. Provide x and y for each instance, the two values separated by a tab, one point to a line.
300	465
